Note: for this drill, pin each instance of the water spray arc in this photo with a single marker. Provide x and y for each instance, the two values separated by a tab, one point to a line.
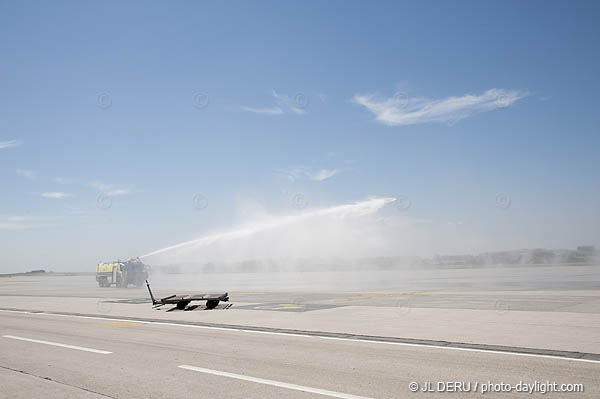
360	208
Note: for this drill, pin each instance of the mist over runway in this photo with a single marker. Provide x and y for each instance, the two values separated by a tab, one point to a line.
517	279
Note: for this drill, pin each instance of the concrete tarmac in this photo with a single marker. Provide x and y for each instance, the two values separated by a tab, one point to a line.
497	327
146	358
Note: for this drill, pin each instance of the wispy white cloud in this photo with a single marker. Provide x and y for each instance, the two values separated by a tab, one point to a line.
29	174
100	186
19	222
324	174
19	218
61	180
285	103
23	218
295	105
266	111
309	173
403	110
110	190
118	192
56	195
10	143
15	226
78	212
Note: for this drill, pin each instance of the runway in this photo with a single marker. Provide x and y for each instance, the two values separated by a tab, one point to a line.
64	337
159	361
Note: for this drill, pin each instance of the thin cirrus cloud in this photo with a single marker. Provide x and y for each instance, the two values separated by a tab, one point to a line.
295	105
118	192
24	222
15	226
29	174
110	190
10	143
56	195
61	180
306	172
401	110
324	174
285	104
265	111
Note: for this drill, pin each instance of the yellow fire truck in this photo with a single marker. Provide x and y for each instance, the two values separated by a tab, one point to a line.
121	273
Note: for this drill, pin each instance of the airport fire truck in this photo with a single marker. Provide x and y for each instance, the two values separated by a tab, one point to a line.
122	273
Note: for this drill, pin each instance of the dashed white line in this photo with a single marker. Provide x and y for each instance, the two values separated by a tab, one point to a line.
279	384
363	341
39	341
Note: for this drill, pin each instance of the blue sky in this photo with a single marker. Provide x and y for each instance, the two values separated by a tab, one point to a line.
116	115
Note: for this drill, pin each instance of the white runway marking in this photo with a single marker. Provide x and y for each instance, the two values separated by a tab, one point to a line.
38	341
467	349
362	341
317	391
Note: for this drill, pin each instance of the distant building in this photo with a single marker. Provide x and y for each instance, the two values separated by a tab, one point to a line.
587	250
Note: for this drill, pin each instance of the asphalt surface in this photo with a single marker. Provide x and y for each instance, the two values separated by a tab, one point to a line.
146	361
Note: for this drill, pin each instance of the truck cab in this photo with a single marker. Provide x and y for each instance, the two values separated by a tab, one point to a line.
121	273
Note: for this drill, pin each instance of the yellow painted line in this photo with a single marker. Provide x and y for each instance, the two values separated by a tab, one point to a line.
281	306
120	323
399	294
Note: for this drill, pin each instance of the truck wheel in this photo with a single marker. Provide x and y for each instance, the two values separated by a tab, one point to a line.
211	304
